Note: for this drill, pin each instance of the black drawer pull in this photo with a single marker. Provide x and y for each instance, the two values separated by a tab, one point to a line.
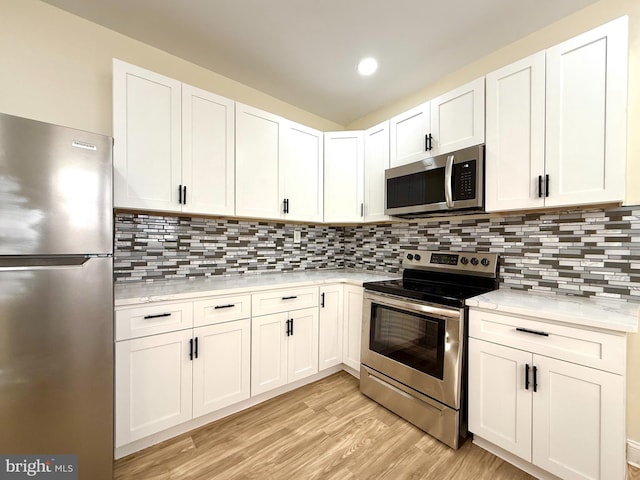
534	332
290	298
231	305
159	315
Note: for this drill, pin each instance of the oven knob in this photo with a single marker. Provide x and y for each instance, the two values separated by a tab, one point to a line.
485	262
409	256
464	260
417	257
474	261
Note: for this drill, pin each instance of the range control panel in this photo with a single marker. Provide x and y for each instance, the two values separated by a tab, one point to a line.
466	263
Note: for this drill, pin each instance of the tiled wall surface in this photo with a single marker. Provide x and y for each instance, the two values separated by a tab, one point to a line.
151	247
586	252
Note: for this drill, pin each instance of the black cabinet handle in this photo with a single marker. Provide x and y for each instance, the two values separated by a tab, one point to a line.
184	195
534	332
546	185
290	298
231	305
362	209
180	194
159	315
526	376
535	379
286	205
191	349
288	328
428	139
196	349
322	300
292	326
539	186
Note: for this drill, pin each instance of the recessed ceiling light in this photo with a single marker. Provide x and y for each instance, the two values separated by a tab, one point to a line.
367	66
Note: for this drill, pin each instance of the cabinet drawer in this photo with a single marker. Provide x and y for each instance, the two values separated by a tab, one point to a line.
283	300
602	350
221	309
153	319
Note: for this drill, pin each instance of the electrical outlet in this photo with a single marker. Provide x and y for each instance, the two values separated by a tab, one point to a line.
296	236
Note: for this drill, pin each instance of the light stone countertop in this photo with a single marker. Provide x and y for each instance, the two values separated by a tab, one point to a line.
608	314
139	293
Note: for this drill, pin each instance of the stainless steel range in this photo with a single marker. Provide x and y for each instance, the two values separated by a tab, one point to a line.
414	338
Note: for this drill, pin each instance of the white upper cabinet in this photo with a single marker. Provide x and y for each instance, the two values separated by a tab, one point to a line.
147	138
301	173
586	116
344	176
515	134
258	149
207	152
173	148
376	161
408	135
457	119
278	167
556	124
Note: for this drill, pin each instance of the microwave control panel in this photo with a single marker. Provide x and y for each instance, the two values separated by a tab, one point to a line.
464	180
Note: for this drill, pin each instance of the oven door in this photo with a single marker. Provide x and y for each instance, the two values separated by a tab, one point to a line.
417	344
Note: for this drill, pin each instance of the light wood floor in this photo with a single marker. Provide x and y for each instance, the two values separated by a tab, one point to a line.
326	430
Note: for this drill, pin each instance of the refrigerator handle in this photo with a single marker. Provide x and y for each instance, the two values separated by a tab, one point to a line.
9	263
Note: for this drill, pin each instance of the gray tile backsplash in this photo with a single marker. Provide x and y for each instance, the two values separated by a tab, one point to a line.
582	252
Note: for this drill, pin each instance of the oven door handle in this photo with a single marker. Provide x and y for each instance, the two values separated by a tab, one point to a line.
448	187
411	306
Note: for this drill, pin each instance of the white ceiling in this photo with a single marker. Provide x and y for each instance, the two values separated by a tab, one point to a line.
305	51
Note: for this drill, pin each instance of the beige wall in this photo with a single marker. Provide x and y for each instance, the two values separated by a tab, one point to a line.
56	67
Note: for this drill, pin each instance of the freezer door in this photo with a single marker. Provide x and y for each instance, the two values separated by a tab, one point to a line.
55	189
56	361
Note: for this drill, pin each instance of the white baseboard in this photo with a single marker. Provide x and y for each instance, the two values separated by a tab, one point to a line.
633	453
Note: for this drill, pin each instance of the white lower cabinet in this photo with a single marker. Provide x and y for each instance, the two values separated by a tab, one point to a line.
165	379
559	416
330	326
284	348
352	332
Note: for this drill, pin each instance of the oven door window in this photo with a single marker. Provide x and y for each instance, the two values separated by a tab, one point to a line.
413	339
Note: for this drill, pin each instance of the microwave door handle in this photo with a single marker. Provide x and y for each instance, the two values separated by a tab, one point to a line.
448	188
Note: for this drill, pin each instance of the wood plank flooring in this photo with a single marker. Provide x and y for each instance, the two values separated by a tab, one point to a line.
326	430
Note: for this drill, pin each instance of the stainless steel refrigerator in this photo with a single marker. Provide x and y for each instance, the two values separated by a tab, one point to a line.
56	294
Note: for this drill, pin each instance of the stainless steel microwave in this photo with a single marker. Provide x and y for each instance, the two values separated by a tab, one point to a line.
453	181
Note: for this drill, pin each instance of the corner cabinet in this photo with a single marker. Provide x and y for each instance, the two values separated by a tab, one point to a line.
330	326
278	167
344	177
551	396
173	144
376	161
546	146
450	122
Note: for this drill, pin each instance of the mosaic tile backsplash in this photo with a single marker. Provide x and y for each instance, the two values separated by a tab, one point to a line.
586	252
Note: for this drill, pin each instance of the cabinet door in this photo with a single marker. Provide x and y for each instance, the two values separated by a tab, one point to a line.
268	352
515	135
499	400
301	172
257	159
353	298
221	374
330	326
147	137
376	161
153	385
586	119
578	421
408	133
302	344
457	118
343	176
207	152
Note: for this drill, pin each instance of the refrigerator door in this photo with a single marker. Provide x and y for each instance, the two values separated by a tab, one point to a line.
55	189
56	360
